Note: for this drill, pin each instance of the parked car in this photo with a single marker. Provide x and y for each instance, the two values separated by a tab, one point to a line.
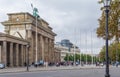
51	64
39	63
117	63
101	64
77	63
36	64
57	64
2	65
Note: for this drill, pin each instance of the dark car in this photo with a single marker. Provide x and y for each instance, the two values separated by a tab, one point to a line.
39	63
57	64
51	64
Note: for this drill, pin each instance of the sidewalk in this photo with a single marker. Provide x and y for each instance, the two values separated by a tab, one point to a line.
24	69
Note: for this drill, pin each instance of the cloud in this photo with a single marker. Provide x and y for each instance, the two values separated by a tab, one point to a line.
68	18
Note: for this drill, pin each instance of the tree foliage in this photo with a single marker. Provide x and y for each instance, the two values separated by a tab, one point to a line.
114	52
78	56
114	15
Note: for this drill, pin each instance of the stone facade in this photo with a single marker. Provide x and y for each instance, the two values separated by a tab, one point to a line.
57	55
35	30
13	50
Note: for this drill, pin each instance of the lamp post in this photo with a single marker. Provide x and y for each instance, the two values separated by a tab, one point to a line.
106	6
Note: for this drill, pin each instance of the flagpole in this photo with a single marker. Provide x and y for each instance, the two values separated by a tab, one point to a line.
74	46
86	48
35	11
80	50
91	48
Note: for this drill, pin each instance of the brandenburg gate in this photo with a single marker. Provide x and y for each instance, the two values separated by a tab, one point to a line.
20	30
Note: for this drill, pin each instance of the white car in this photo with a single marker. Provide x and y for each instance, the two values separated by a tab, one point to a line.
101	64
2	66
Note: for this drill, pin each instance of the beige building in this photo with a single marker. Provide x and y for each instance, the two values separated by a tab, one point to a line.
65	50
21	28
57	55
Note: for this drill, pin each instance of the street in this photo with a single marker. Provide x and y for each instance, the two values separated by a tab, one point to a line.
93	72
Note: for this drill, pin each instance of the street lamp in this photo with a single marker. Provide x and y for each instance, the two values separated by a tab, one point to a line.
106	6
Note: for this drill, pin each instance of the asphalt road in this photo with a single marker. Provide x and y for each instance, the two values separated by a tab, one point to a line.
114	72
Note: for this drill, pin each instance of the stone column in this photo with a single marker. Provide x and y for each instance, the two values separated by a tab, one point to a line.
39	52
46	49
49	50
17	54
50	47
11	54
30	38
26	51
42	46
52	50
4	53
22	55
34	47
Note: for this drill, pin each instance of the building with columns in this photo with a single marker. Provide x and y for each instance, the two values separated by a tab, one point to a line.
13	50
24	28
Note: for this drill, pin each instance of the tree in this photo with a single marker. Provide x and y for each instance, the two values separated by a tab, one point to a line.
114	53
102	54
66	58
114	15
77	58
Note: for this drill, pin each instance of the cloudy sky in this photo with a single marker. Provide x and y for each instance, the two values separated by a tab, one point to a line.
75	20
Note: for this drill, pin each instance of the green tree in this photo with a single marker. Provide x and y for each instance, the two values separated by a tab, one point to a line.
82	57
102	54
114	15
71	58
114	52
66	57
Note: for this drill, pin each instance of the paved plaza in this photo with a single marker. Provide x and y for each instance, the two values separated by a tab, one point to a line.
24	69
69	71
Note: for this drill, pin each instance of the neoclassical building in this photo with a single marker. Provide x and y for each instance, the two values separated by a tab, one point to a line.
22	29
13	50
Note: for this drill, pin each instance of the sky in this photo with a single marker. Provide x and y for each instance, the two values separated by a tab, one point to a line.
76	20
